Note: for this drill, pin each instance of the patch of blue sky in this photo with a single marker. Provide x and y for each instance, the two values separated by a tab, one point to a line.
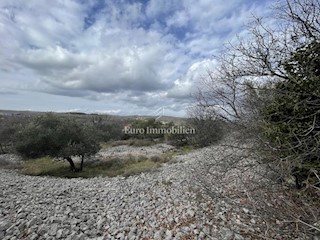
144	2
92	12
180	33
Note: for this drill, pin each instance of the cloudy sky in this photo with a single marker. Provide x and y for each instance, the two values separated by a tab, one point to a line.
112	56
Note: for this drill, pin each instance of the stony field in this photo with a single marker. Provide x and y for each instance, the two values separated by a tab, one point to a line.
163	204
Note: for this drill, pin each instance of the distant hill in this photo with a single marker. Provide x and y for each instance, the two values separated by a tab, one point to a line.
26	113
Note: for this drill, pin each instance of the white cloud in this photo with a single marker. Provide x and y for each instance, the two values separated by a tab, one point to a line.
156	8
39	24
179	19
185	86
50	59
101	71
143	55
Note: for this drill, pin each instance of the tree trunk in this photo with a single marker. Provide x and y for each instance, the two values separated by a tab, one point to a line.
81	165
72	166
2	152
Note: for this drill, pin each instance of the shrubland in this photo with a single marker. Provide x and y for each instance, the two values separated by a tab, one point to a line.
65	145
266	88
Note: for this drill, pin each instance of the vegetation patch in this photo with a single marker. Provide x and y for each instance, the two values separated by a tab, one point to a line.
124	166
44	166
132	142
49	137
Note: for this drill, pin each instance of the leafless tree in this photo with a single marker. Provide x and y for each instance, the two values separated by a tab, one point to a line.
236	91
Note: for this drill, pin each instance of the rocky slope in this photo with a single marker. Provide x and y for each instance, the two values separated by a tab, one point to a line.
164	204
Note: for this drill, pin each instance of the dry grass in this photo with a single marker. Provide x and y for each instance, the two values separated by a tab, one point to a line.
110	168
131	142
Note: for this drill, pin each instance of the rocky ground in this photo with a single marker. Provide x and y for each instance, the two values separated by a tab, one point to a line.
164	204
124	150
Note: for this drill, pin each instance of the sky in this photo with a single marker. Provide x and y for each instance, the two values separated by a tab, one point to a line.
123	57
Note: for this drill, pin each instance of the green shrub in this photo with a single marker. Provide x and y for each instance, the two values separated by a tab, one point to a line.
50	135
9	125
292	118
207	131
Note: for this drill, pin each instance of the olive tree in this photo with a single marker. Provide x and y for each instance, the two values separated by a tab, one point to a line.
6	133
54	136
9	124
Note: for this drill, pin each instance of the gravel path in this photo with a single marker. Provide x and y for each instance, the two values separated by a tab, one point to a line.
154	205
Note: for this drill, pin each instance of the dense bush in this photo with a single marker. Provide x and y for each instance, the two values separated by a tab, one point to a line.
6	139
50	135
107	128
292	119
9	124
207	131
